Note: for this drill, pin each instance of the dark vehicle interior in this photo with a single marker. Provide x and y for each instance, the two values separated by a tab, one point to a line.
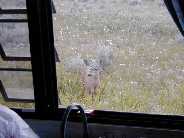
48	118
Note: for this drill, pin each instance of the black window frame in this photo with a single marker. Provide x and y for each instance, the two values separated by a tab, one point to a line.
41	37
176	9
45	82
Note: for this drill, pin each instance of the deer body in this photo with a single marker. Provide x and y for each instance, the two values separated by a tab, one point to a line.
91	79
90	76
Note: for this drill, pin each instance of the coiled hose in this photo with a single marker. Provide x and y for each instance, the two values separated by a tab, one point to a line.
66	116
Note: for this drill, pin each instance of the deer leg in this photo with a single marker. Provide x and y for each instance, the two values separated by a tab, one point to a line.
93	93
95	90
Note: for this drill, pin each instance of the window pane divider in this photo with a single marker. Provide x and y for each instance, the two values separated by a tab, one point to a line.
43	57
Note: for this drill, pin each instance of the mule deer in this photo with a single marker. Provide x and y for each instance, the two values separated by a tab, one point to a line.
90	69
90	76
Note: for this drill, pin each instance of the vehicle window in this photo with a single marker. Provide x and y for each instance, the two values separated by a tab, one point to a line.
17	4
16	84
120	55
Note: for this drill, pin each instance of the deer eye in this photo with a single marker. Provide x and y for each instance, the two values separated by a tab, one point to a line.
89	75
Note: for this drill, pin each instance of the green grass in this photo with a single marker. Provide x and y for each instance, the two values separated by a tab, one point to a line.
123	97
126	99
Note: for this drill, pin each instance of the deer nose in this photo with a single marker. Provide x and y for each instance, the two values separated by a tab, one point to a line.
89	75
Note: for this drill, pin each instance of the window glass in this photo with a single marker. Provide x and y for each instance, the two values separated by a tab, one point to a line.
121	55
13	4
14	39
16	84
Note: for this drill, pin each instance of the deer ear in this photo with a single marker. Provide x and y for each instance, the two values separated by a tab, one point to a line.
86	62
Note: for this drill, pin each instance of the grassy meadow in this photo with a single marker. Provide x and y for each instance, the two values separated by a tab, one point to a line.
147	74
